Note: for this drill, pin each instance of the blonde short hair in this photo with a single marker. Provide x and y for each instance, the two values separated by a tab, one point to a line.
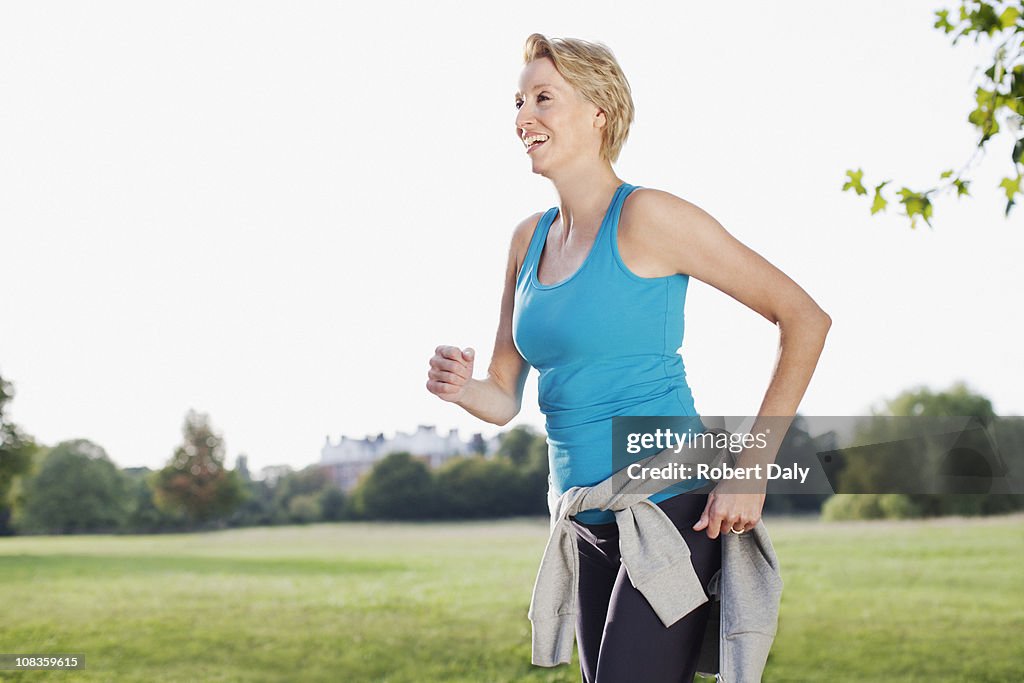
592	70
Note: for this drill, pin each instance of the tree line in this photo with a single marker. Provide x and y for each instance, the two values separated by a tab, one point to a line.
74	487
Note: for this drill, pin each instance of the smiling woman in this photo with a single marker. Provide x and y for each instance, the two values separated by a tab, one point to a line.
588	74
594	295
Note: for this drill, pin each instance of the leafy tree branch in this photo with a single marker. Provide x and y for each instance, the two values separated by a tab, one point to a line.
999	95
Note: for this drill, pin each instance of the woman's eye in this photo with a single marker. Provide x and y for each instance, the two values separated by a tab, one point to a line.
519	103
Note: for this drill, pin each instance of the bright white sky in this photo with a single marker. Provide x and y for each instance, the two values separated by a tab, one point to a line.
273	212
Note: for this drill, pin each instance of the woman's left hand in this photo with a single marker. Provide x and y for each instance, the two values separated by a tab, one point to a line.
726	510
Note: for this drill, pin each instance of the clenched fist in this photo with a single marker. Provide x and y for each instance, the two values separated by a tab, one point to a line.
451	368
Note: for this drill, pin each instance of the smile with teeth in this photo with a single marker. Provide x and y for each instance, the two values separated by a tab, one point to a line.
532	142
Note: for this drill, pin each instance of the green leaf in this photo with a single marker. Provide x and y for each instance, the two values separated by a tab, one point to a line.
990	129
961	187
1009	17
1016	84
984	117
855	181
879	202
946	174
943	21
985	20
1018	150
916	204
1012	187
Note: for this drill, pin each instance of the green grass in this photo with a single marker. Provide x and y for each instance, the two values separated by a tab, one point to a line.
934	600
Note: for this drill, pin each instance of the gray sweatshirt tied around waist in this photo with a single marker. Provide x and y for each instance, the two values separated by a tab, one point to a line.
746	591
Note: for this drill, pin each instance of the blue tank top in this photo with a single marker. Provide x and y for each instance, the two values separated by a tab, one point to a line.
605	342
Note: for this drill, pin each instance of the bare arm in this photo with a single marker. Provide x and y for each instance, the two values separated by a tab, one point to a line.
688	240
498	397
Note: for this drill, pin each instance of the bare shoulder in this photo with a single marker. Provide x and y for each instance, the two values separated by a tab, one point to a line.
521	237
661	234
659	211
523	232
669	234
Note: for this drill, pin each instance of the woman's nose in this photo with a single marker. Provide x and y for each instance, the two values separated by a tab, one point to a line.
523	117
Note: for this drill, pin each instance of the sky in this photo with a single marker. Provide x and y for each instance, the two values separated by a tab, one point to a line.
272	213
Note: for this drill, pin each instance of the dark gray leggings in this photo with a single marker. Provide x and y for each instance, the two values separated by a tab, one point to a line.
620	638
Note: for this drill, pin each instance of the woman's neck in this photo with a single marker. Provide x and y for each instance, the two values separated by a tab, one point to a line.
584	197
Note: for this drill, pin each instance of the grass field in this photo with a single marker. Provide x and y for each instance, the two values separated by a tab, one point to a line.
933	600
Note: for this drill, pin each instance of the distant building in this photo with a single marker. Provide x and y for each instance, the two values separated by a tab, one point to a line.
348	459
272	473
242	467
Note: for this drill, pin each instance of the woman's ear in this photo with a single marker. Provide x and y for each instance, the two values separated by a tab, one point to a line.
600	120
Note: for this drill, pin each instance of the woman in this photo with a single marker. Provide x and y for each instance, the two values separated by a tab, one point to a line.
594	294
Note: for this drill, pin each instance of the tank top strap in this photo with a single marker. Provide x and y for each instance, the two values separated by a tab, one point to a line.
540	234
610	236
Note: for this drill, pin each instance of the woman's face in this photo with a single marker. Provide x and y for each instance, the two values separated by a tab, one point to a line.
549	106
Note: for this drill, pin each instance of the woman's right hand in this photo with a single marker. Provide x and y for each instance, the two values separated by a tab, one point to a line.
451	368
